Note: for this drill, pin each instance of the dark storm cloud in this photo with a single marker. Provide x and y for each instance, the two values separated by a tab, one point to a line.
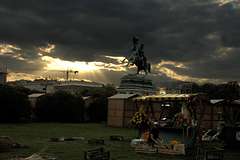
19	65
222	68
188	31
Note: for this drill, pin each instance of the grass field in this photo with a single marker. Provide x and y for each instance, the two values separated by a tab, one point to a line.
37	135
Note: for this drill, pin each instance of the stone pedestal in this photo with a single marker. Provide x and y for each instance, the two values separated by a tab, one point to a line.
135	83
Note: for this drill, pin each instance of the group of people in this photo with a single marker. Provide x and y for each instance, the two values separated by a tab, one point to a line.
151	136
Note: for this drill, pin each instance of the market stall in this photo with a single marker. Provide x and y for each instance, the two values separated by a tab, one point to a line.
177	117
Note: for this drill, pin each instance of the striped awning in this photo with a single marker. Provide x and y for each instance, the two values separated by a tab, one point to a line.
165	97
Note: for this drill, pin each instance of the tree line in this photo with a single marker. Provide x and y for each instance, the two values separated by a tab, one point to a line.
228	90
57	107
66	107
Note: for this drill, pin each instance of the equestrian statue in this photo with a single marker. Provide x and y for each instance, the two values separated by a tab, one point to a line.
138	58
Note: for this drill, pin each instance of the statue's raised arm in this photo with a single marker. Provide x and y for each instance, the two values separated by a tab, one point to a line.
134	52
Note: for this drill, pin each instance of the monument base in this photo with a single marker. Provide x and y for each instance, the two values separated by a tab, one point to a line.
135	83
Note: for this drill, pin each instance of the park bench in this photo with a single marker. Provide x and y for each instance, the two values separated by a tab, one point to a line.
209	151
96	141
116	138
214	154
97	154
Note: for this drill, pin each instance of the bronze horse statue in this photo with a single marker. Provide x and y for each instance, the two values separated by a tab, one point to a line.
138	58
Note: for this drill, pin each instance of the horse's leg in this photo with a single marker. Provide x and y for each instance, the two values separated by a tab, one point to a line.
138	69
149	67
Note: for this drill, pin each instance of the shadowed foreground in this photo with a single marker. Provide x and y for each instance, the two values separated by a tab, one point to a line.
36	135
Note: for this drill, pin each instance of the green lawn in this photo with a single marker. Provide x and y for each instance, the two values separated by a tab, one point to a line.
36	135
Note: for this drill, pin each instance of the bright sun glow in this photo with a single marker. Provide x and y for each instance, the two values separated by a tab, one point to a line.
58	64
52	63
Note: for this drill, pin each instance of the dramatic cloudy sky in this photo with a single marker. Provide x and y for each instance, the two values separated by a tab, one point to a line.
191	40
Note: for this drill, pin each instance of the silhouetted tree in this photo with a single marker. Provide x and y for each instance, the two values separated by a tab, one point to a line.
210	89
14	106
221	91
232	90
97	110
60	107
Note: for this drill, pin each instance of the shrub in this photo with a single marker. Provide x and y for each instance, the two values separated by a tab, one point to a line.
97	109
60	107
14	104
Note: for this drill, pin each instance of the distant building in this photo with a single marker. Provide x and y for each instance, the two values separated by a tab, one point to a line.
162	90
51	86
186	88
38	85
76	86
33	98
224	110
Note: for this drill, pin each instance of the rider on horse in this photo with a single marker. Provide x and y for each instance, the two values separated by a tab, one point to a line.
138	58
